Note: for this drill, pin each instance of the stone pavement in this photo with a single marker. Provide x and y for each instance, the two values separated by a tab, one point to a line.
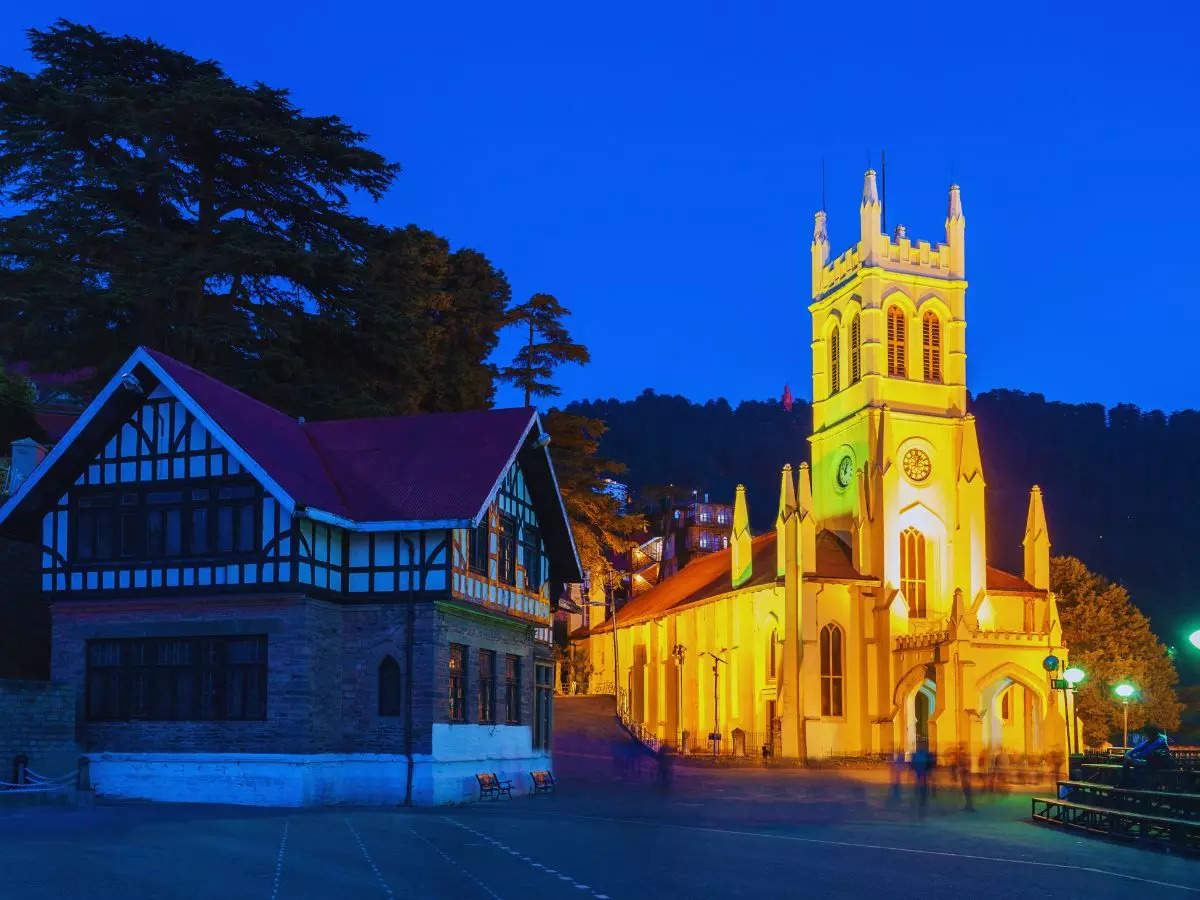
713	833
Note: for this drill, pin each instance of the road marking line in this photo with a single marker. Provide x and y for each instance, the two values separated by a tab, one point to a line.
453	862
370	862
862	846
279	859
534	865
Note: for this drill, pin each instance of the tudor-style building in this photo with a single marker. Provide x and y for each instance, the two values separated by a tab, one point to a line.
256	609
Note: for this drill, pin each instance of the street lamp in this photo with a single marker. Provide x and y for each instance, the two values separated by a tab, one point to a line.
1073	676
1125	690
1194	638
715	737
679	652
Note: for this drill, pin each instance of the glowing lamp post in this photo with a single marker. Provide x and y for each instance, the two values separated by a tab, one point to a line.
1073	676
1124	690
1194	638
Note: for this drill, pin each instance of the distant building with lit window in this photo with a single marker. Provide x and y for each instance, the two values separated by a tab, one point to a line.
256	609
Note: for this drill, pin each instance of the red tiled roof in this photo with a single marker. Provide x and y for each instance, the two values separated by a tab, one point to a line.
999	580
709	576
55	424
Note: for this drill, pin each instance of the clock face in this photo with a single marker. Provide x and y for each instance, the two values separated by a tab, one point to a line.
845	471
917	465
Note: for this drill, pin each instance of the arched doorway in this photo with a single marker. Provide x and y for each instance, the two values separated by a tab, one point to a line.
919	710
1013	714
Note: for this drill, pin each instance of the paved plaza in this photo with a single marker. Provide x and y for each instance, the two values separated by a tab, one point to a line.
713	834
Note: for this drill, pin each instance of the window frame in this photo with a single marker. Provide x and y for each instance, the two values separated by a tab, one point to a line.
506	567
914	555
512	689
456	683
856	348
897	337
390	685
835	360
478	549
832	651
931	347
487	687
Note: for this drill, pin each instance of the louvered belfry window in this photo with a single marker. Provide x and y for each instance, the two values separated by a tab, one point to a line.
856	349
931	341
895	342
835	361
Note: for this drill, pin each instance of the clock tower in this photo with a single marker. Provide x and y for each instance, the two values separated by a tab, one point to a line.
895	459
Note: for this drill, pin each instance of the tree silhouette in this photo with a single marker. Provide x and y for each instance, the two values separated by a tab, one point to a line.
547	346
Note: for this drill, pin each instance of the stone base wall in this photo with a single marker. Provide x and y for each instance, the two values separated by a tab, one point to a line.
37	720
293	780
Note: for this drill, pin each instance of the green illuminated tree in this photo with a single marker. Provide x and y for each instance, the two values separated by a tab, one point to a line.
1110	639
547	346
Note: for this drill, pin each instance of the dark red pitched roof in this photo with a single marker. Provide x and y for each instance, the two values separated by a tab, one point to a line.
709	576
55	424
440	466
1006	582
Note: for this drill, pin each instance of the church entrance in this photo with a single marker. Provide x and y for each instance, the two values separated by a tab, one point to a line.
1012	719
922	709
918	714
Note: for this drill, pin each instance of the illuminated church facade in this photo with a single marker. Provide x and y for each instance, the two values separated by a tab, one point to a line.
869	621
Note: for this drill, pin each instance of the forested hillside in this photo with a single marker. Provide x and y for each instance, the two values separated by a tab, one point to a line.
1121	485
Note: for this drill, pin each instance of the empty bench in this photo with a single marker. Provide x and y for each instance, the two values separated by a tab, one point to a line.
1176	834
543	782
1136	800
491	787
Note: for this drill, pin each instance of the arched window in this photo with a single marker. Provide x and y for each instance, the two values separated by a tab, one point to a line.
831	670
895	342
912	571
389	687
835	361
1005	711
772	647
931	344
856	349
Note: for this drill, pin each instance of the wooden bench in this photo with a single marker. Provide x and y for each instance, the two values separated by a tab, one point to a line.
1158	803
1177	834
491	787
543	782
1185	781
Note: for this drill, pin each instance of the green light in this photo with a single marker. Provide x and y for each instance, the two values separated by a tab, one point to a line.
1074	675
1124	691
1194	638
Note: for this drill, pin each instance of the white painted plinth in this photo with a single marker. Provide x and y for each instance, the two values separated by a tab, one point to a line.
369	779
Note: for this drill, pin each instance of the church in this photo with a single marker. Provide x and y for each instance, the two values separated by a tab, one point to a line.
869	622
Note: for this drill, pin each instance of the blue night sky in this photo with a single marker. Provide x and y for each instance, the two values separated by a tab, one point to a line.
657	168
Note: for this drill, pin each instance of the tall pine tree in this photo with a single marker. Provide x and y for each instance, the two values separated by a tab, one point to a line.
547	346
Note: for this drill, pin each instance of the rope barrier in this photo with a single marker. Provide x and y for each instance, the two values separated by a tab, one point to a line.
40	784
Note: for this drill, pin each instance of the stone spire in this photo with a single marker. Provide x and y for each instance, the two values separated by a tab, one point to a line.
956	225
1037	543
869	219
806	552
739	540
820	251
787	511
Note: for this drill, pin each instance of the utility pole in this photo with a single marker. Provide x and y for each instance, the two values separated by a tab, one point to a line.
717	659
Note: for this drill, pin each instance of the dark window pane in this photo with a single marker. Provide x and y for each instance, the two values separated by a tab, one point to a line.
199	534
85	530
173	537
245	539
225	529
104	534
155	543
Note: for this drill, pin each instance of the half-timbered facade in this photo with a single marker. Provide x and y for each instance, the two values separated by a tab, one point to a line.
259	609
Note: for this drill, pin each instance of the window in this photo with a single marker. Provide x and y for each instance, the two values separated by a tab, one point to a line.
166	524
772	645
1005	712
390	703
831	670
931	345
512	689
508	550
895	342
487	686
477	551
457	683
531	557
835	361
856	348
912	571
177	679
543	700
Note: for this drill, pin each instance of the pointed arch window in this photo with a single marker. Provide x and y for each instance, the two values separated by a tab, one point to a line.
895	342
835	361
772	650
931	345
389	687
913	580
856	348
832	667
